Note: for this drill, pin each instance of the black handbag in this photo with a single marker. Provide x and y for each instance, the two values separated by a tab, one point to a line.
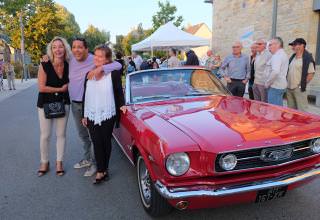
54	110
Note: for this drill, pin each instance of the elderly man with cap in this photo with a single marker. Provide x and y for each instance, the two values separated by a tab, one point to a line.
301	72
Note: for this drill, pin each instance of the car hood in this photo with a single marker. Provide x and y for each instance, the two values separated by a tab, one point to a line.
226	123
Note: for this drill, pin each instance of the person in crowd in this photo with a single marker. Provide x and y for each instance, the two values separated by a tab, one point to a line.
146	65
53	87
192	58
301	72
103	99
1	75
120	60
213	63
277	69
154	63
236	70
131	66
173	61
262	58
137	60
81	62
253	49
9	70
217	65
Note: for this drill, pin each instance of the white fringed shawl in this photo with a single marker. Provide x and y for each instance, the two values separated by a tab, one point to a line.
99	100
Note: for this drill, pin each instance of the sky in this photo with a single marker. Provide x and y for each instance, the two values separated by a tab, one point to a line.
120	16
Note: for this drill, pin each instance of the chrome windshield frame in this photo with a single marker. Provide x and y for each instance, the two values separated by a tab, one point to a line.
128	89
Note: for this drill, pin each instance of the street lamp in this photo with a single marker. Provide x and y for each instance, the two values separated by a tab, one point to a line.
212	26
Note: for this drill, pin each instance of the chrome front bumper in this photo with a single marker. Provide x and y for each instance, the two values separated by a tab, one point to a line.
185	192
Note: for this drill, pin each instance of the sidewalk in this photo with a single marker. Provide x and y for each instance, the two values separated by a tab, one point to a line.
20	86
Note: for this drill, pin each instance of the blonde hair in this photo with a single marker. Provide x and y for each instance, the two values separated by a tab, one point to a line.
66	48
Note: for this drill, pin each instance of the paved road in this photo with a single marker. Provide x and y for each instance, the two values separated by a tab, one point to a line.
25	196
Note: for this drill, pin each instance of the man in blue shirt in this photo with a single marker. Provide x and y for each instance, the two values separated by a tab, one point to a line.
236	70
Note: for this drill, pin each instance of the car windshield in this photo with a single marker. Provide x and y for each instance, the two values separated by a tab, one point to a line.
175	83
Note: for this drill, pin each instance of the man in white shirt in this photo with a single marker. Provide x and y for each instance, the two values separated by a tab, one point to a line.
301	72
137	60
277	69
173	61
262	58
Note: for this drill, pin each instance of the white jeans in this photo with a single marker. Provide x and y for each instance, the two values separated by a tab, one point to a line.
45	134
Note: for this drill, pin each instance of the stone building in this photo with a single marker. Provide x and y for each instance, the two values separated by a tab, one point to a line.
248	20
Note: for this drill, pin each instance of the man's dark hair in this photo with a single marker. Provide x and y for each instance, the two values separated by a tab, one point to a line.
83	40
107	51
279	39
118	55
174	51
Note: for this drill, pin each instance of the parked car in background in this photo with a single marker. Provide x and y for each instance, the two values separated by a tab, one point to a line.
196	146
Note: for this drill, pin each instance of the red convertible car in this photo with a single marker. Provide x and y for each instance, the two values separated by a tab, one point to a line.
196	146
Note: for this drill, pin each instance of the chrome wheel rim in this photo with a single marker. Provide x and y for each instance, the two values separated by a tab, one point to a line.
144	183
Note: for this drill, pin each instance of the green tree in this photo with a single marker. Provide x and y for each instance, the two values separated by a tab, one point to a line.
134	36
68	21
118	47
94	37
42	27
42	19
165	14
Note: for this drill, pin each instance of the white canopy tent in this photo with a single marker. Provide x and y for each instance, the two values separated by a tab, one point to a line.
168	36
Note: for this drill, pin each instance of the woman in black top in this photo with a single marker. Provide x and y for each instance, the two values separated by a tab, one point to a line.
192	59
53	88
102	102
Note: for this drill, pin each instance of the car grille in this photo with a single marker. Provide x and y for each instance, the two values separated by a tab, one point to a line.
249	159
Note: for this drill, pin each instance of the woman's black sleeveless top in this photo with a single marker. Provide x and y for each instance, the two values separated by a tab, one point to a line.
53	80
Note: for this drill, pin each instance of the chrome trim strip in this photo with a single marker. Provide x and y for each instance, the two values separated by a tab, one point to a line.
300	149
125	153
248	158
226	191
261	147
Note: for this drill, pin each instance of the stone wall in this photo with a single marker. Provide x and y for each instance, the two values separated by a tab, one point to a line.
295	19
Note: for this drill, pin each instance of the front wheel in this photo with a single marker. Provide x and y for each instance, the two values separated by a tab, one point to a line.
152	201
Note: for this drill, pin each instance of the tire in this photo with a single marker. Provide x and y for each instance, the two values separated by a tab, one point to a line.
154	204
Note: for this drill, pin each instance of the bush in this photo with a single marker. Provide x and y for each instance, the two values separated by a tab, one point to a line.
18	70
33	70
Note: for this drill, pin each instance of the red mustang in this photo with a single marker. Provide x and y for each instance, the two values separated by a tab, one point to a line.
196	146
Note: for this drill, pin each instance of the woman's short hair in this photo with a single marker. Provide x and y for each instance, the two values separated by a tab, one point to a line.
174	51
67	49
107	51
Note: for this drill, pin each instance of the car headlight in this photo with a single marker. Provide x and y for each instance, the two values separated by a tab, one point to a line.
178	164
315	147
228	162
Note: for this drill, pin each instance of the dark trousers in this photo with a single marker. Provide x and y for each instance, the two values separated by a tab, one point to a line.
237	87
101	139
250	91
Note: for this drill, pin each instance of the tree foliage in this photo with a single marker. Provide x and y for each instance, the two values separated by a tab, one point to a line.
134	36
165	14
94	37
118	47
68	21
42	20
